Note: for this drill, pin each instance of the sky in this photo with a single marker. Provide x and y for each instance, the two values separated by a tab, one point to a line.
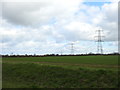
50	26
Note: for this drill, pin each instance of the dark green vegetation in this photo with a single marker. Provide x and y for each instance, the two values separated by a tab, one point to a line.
106	60
61	72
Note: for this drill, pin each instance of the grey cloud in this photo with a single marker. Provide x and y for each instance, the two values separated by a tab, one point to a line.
24	13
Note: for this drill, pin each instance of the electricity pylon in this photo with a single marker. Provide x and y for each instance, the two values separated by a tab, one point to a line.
99	42
72	48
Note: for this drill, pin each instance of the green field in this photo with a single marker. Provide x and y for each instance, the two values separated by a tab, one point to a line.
60	72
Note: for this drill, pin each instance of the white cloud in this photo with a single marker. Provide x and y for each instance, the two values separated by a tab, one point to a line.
51	23
82	31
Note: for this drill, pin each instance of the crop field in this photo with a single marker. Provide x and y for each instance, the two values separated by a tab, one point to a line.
60	72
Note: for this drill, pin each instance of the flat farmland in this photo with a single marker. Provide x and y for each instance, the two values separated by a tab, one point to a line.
60	72
88	61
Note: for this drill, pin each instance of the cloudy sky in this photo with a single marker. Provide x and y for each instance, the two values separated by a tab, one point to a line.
50	26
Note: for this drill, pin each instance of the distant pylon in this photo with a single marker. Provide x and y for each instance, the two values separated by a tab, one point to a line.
99	42
72	48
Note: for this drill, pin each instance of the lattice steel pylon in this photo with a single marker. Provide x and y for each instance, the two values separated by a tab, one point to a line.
99	42
72	48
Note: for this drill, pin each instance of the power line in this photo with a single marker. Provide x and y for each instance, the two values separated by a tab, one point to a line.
99	41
